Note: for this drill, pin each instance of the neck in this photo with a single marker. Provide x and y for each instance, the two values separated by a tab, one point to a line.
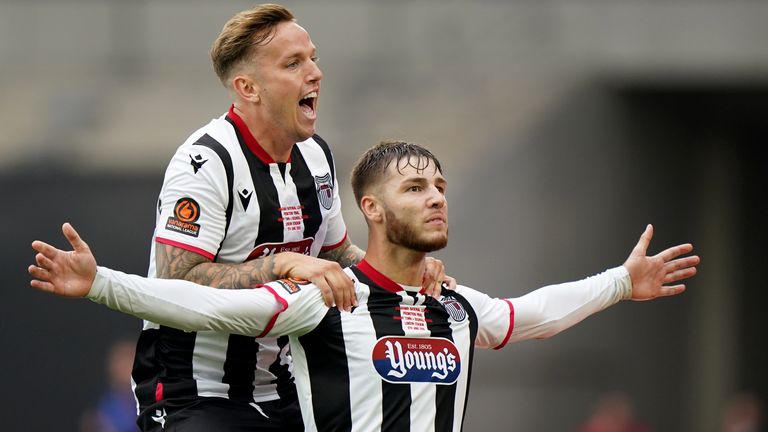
404	266
275	143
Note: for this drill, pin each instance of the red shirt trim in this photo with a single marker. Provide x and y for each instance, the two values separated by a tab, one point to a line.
180	245
511	324
378	278
274	317
335	245
250	140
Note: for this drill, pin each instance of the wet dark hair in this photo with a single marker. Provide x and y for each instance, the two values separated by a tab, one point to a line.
372	165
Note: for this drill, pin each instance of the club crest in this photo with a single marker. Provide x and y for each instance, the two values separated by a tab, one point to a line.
324	187
454	308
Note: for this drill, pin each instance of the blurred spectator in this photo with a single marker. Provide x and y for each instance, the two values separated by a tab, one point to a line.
743	414
614	412
116	409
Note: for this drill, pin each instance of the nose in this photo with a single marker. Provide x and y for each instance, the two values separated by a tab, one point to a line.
436	198
315	74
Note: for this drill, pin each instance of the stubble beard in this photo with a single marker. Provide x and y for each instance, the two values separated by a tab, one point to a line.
399	232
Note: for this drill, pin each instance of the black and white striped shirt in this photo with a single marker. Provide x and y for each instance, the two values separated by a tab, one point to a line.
223	197
399	361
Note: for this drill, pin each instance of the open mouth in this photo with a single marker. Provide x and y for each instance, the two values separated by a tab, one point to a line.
307	104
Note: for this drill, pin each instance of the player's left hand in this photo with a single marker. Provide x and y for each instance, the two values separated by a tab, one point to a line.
652	274
434	277
64	273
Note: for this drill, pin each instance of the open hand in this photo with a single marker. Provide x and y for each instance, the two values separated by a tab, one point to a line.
64	273
651	275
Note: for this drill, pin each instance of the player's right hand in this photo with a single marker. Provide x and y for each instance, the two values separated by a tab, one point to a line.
64	273
335	286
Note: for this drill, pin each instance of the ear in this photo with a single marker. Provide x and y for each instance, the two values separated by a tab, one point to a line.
246	88
372	209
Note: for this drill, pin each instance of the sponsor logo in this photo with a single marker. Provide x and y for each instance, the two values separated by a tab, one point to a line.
292	284
405	360
197	162
324	187
454	308
303	246
185	213
245	197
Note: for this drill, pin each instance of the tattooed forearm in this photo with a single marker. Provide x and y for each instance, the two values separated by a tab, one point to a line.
234	276
346	255
177	263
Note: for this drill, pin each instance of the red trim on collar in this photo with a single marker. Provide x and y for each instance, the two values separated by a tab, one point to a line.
378	278
250	140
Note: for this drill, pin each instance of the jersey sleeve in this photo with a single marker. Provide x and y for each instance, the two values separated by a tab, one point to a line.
193	201
554	308
185	305
302	307
494	316
546	311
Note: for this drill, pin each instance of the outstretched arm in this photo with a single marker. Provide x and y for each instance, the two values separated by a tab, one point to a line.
172	302
549	310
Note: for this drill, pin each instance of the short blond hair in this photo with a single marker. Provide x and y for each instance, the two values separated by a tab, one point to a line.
242	34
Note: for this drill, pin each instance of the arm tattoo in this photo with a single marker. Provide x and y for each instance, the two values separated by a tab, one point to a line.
346	255
177	263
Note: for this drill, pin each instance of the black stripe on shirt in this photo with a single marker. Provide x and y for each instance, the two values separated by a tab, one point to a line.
328	373
286	388
145	368
270	226
307	192
445	395
240	367
473	327
207	141
396	398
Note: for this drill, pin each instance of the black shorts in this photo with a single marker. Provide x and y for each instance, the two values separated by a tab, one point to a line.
221	415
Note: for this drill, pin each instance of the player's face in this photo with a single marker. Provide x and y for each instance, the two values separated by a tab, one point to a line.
416	211
289	82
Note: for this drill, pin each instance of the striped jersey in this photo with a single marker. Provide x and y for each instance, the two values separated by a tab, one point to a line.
223	197
399	361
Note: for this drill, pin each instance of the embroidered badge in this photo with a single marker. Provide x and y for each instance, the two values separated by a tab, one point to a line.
324	187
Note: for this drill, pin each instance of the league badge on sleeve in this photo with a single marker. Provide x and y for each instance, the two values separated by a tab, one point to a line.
185	213
324	186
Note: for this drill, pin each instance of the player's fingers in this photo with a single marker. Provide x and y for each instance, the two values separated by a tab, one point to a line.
451	282
43	261
343	290
667	291
38	273
641	247
325	290
41	285
675	251
74	238
679	275
44	248
682	263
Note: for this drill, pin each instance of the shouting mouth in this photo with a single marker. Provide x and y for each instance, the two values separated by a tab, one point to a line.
308	105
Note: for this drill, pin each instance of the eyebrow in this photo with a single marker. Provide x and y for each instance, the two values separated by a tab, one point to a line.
440	181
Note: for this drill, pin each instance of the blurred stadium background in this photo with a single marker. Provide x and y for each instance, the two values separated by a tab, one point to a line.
564	127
